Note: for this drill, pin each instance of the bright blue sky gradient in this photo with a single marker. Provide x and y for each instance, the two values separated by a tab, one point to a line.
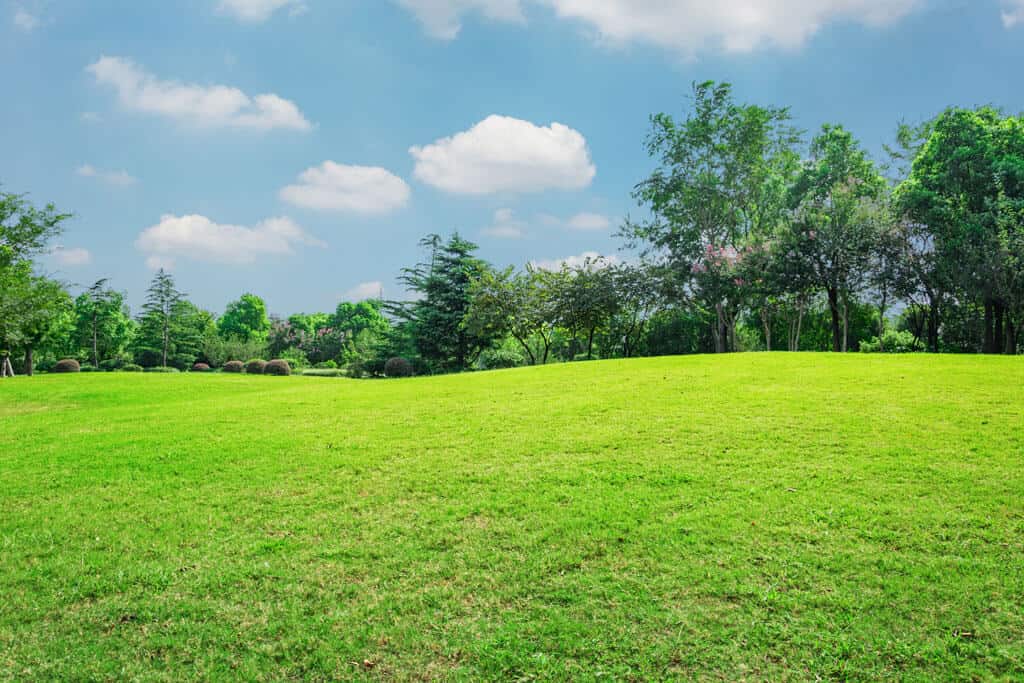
374	78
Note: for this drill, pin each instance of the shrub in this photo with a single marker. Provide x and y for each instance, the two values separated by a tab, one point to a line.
323	372
89	368
397	367
200	367
295	358
894	342
234	366
255	366
67	365
162	369
497	359
278	367
111	364
131	367
326	365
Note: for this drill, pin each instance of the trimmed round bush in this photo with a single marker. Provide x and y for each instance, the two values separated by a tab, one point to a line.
255	366
131	367
162	369
278	367
234	366
67	365
200	367
397	367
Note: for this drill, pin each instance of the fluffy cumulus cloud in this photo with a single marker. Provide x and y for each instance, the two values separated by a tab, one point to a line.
198	238
364	291
505	226
72	256
588	222
442	19
114	178
684	26
591	258
256	11
358	189
203	105
1013	13
503	154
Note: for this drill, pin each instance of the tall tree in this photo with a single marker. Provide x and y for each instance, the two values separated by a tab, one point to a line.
443	284
722	179
245	320
512	303
162	298
102	322
838	203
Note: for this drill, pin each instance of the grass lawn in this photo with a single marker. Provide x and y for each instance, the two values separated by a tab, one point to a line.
755	516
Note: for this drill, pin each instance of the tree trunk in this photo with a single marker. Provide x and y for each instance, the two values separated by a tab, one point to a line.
998	334
529	351
721	332
846	325
1011	336
5	363
881	323
166	343
989	343
833	305
933	325
95	344
29	360
766	320
590	344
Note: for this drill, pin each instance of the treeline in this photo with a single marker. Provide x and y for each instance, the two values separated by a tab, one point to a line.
754	238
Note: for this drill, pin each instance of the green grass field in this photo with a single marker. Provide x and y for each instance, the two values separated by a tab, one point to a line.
743	517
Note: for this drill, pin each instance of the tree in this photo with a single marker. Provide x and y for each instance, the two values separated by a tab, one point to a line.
637	296
162	299
583	299
443	285
245	320
31	312
969	169
510	303
26	231
722	180
102	322
838	215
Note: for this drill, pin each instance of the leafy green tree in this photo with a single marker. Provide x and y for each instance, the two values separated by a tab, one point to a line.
355	318
26	231
839	214
443	285
245	319
722	181
511	303
102	322
41	305
964	178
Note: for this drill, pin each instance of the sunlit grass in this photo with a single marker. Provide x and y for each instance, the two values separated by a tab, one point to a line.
751	516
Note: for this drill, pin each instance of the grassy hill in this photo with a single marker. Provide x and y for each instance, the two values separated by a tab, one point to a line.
751	516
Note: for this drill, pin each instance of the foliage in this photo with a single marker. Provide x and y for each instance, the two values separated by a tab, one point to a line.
398	367
500	358
245	320
25	230
103	326
131	367
279	367
162	369
67	365
893	341
323	372
217	351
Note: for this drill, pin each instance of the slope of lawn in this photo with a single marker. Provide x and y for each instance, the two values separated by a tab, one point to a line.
742	517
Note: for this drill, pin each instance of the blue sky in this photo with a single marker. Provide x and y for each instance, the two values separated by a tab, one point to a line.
299	149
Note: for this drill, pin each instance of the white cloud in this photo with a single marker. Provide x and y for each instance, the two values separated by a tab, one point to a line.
683	26
337	187
588	222
90	117
203	105
503	154
364	291
198	238
505	226
71	256
1013	13
115	178
256	11
442	19
595	260
25	20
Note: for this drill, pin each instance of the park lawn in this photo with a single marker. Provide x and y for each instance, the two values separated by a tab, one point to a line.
759	516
